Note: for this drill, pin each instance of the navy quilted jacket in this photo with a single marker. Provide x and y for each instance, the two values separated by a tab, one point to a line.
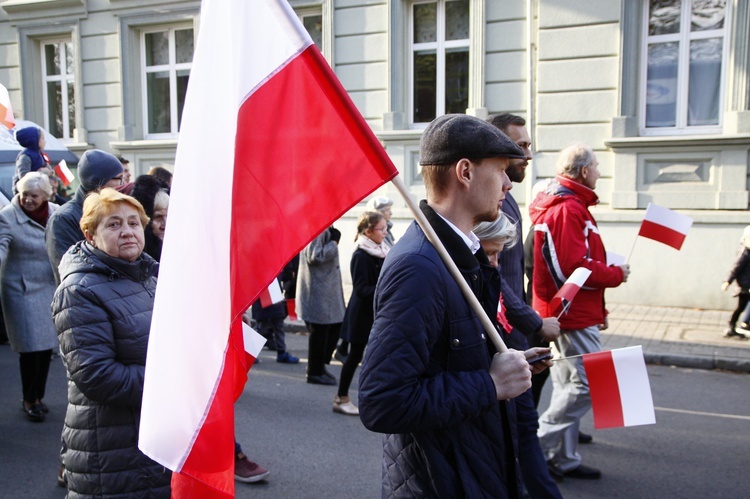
424	380
102	311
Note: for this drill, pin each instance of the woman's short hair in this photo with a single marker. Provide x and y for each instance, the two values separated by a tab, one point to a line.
573	158
501	230
98	205
161	200
35	180
368	220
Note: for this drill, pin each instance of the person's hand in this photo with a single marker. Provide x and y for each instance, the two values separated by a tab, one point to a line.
550	328
724	286
540	365
511	374
604	325
625	267
335	234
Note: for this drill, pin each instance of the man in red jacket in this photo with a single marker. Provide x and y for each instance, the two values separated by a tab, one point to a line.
567	237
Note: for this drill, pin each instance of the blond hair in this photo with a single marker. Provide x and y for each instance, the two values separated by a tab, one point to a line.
98	205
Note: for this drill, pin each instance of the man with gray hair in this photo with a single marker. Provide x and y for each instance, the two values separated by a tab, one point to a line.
566	238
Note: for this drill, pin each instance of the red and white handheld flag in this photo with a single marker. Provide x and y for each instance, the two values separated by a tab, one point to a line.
288	153
620	390
570	288
62	171
6	111
665	226
272	294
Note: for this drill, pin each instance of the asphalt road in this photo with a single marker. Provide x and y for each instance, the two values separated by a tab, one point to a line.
700	446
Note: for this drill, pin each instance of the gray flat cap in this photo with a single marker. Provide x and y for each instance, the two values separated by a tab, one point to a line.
452	137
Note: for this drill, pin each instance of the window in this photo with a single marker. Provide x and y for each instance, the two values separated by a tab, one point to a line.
313	23
167	56
684	56
58	88
439	66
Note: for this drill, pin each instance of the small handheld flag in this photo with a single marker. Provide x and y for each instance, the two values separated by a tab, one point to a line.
271	295
619	386
62	171
665	226
570	289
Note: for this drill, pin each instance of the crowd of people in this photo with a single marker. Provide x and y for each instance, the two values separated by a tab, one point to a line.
459	413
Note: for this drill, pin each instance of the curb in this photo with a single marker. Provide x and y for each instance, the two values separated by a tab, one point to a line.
698	361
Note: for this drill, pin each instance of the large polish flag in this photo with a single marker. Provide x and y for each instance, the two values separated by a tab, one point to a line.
619	386
570	288
6	111
271	151
666	226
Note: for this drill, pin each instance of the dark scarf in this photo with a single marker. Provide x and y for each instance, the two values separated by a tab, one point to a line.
40	215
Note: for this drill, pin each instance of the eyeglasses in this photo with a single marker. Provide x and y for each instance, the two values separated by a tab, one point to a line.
120	178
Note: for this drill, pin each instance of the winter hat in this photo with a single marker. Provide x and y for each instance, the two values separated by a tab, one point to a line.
745	234
452	137
96	168
378	203
29	137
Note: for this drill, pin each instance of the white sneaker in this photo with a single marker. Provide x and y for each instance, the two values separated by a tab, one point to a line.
343	405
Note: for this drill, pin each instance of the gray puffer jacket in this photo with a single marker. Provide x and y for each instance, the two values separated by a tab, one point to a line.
102	311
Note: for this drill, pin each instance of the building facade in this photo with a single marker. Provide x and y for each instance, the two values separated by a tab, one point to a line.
658	88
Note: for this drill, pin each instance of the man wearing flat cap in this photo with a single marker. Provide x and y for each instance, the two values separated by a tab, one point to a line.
429	380
96	170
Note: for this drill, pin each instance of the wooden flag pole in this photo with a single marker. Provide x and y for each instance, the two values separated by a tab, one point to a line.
567	305
631	249
451	265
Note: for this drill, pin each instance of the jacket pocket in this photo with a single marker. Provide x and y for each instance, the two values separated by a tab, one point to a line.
467	349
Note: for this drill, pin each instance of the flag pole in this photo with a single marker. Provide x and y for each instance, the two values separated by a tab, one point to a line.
450	264
631	249
567	305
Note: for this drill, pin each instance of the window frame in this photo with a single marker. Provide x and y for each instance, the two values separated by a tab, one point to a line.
63	77
441	47
684	37
172	67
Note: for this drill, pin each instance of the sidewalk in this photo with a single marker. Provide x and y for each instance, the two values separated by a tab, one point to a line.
677	336
669	336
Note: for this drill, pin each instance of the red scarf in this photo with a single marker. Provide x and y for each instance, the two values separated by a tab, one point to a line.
40	215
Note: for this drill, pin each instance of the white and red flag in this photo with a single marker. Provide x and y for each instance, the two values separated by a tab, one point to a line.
62	171
286	153
6	111
666	226
570	288
619	386
272	294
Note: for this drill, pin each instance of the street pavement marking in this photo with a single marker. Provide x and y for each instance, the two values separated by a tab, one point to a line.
699	413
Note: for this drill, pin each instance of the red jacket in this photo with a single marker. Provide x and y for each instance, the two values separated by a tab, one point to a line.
566	237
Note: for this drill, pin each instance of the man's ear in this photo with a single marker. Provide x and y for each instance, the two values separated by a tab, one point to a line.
464	171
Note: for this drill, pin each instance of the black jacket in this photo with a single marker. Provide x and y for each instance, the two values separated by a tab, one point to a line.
741	271
425	380
63	230
102	311
358	318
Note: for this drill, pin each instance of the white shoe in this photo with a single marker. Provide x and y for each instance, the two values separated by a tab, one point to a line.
343	405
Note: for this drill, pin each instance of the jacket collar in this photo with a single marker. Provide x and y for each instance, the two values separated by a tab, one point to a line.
457	249
586	195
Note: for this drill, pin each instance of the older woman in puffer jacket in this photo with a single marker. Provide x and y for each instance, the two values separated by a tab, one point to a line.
102	310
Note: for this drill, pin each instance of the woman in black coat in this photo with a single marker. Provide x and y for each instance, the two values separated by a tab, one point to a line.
366	263
102	311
